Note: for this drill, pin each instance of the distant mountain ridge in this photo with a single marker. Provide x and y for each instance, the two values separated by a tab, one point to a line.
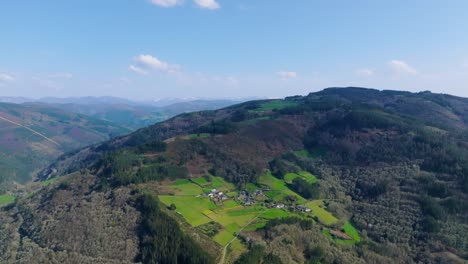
128	113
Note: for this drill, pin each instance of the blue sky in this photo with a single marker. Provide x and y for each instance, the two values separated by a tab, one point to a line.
145	49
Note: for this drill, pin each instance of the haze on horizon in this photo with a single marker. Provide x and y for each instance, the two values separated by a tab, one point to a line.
145	49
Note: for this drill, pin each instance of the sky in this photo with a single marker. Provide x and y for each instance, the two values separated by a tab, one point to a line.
149	49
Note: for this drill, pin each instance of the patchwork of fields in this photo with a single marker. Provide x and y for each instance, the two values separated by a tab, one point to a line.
230	216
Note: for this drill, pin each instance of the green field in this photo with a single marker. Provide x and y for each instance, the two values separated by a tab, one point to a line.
6	199
323	215
250	187
289	177
274	104
185	187
200	181
232	221
310	154
220	184
275	213
272	182
351	231
201	135
191	208
279	187
230	204
49	181
223	237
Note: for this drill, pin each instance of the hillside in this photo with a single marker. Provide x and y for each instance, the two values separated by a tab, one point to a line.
32	136
339	176
129	114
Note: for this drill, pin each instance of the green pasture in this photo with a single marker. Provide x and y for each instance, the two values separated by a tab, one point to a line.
232	221
220	184
275	213
323	215
351	231
6	199
274	104
185	187
49	181
279	187
289	177
272	182
200	181
223	237
230	204
200	135
250	187
190	207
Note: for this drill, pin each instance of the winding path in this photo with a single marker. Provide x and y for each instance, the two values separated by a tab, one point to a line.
30	129
223	256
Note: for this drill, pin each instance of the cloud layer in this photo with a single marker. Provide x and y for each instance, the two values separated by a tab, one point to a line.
205	4
145	63
284	75
166	3
6	77
365	72
401	68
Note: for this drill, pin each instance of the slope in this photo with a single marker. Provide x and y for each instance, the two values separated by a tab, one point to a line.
33	136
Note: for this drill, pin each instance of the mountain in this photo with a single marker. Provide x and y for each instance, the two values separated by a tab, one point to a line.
127	113
34	135
344	175
87	100
136	115
14	100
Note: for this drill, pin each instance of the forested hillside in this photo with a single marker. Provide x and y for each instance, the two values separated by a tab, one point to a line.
345	175
32	136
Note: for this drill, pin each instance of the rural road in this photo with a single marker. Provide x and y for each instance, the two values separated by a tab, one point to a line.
223	256
30	129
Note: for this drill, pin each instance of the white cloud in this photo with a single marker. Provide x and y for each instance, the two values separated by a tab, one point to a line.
207	4
136	69
6	78
145	63
365	72
401	68
284	75
166	3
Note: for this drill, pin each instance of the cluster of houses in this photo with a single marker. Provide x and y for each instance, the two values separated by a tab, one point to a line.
217	195
300	208
248	198
303	208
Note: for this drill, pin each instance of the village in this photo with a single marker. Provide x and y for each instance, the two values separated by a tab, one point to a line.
247	198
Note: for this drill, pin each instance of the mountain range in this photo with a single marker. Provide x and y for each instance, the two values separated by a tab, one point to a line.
344	175
35	132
